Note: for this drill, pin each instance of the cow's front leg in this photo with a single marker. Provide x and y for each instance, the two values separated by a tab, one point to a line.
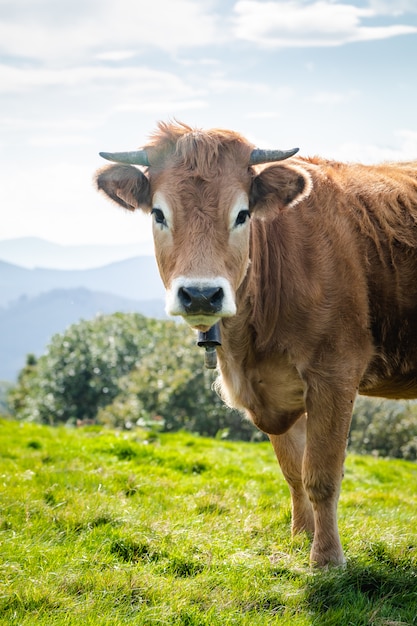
289	449
329	416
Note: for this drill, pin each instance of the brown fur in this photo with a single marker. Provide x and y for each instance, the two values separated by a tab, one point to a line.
327	306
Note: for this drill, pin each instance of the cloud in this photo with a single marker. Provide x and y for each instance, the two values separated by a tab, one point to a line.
70	124
116	55
161	106
60	203
333	97
139	79
393	7
63	33
263	115
402	148
56	140
317	24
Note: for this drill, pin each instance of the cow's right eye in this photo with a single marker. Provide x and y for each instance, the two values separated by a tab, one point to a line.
159	217
242	217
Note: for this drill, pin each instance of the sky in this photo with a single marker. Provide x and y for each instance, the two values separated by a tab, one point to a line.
334	77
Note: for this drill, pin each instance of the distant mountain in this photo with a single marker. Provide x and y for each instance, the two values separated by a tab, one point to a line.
136	279
36	303
28	324
31	252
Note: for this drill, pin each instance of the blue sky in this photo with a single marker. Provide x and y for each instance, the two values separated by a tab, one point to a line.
336	78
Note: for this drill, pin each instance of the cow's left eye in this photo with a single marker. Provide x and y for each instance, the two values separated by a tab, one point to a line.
242	216
159	217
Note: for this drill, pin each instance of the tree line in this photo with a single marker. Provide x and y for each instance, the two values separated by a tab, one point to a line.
125	370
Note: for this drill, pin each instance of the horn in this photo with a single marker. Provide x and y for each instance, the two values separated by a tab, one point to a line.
268	156
138	157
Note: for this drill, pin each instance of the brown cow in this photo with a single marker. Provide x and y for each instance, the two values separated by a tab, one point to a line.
316	294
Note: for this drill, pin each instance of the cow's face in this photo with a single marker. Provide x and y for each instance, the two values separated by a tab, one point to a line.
201	226
201	236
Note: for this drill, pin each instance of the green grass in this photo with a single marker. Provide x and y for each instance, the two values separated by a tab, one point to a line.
106	528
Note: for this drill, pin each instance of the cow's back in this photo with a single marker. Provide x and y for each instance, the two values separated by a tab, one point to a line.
384	207
347	251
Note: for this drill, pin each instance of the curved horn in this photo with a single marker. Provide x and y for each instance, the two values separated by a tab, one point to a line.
268	156
138	157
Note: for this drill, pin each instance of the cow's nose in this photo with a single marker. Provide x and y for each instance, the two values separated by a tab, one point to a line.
207	300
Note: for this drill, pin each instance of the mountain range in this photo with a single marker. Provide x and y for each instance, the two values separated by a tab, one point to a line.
39	302
135	279
33	252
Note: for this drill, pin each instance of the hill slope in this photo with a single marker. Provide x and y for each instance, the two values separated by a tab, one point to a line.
135	279
144	529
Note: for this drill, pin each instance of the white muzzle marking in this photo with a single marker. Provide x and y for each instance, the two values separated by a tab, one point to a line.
175	304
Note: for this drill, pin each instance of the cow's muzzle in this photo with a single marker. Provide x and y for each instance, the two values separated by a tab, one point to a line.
203	301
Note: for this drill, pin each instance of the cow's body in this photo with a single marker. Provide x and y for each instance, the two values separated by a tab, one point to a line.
316	296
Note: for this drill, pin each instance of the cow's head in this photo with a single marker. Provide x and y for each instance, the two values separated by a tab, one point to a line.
201	189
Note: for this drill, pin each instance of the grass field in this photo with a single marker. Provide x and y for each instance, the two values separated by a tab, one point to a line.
106	528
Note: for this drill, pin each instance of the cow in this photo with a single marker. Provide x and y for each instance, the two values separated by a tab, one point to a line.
309	268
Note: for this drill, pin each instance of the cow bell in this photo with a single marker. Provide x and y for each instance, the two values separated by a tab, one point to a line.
209	341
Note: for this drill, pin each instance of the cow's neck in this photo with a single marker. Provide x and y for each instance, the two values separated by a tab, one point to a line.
253	341
259	299
239	334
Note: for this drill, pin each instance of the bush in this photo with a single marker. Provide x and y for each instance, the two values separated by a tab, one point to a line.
5	388
122	370
384	428
80	371
171	390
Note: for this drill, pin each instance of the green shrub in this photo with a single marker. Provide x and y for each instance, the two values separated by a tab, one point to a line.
124	370
384	428
80	370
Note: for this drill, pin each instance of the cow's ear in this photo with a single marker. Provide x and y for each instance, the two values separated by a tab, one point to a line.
278	187
125	185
